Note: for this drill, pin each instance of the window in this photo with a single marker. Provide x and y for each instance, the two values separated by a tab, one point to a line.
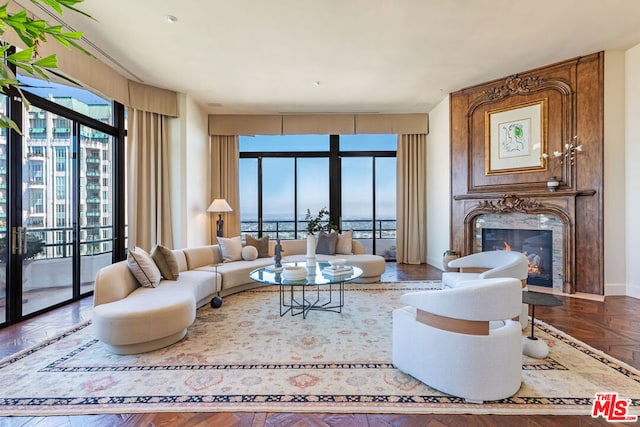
61	159
61	187
353	176
36	177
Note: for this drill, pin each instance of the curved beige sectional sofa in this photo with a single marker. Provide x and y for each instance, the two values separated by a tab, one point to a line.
129	318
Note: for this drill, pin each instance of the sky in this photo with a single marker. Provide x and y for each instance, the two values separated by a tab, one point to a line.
44	89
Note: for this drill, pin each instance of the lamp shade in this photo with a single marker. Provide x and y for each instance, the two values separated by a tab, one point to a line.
219	205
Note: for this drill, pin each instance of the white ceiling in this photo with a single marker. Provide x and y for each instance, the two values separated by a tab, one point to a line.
292	56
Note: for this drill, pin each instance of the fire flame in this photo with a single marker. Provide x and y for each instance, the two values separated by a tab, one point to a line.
533	269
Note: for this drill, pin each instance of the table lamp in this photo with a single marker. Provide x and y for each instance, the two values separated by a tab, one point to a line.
219	205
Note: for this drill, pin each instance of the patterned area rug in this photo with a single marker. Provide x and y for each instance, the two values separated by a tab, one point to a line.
245	357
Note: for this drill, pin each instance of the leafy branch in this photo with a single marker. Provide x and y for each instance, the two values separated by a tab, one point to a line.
33	32
321	222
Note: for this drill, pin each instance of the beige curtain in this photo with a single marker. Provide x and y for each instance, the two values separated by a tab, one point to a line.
148	186
411	205
224	182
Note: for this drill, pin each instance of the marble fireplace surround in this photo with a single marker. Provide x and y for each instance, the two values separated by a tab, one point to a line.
546	211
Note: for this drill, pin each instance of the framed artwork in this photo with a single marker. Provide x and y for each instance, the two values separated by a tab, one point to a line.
515	138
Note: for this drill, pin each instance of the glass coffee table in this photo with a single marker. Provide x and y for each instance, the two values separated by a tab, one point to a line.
317	291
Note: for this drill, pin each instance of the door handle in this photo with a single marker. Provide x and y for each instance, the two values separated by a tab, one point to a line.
14	241
24	240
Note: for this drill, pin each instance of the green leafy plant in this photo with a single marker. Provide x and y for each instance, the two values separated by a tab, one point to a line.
33	32
321	222
35	246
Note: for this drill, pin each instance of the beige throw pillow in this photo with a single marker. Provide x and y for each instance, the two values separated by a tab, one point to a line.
166	261
249	253
343	245
143	268
231	248
261	244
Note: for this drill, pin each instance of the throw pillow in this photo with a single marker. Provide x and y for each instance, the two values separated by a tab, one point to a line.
166	261
326	243
231	248
143	268
249	253
261	244
343	245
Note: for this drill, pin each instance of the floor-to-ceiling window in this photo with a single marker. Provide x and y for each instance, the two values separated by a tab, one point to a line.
59	228
354	176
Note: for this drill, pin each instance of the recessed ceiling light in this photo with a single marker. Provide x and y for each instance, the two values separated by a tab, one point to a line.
171	19
316	82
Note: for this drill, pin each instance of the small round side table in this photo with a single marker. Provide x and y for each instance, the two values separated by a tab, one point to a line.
532	346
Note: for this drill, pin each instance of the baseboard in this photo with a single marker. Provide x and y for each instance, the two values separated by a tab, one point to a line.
435	262
611	289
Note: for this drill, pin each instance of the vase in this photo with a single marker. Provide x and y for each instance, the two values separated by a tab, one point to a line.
449	255
311	248
553	183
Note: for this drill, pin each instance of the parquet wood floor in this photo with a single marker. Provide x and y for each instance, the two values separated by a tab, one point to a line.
612	326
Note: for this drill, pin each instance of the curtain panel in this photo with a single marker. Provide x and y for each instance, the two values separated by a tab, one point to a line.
148	186
411	205
224	182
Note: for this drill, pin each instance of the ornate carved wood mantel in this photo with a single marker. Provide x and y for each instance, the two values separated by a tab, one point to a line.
572	94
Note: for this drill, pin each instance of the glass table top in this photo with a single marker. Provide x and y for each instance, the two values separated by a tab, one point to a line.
316	275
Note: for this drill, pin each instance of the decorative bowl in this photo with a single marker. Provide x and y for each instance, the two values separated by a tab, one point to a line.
337	262
294	273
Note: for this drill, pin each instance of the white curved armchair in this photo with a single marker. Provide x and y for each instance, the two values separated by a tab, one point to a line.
462	341
490	264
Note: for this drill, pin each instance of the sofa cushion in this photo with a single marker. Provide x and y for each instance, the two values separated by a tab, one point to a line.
237	273
166	262
200	256
249	253
143	268
343	245
181	259
261	244
202	284
326	243
231	248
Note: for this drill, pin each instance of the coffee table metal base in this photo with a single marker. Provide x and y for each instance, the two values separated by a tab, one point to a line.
302	298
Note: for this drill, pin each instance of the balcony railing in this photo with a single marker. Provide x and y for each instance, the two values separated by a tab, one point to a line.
58	242
383	231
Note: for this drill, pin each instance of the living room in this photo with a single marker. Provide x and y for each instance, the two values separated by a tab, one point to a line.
609	148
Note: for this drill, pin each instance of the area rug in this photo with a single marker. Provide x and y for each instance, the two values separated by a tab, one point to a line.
245	357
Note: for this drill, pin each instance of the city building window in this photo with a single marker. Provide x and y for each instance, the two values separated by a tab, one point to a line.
61	159
61	187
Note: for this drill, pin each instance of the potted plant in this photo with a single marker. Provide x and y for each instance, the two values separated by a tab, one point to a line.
35	246
320	222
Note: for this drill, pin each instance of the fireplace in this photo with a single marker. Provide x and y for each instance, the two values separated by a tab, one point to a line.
537	245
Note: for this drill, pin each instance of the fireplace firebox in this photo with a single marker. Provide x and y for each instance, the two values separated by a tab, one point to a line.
535	244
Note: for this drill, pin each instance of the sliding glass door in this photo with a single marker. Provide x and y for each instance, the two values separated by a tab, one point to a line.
4	209
58	197
47	277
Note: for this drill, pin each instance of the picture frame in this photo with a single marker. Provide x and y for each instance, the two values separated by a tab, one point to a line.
515	138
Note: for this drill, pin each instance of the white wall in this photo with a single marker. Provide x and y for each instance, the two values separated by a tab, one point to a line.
632	171
614	173
190	183
438	183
